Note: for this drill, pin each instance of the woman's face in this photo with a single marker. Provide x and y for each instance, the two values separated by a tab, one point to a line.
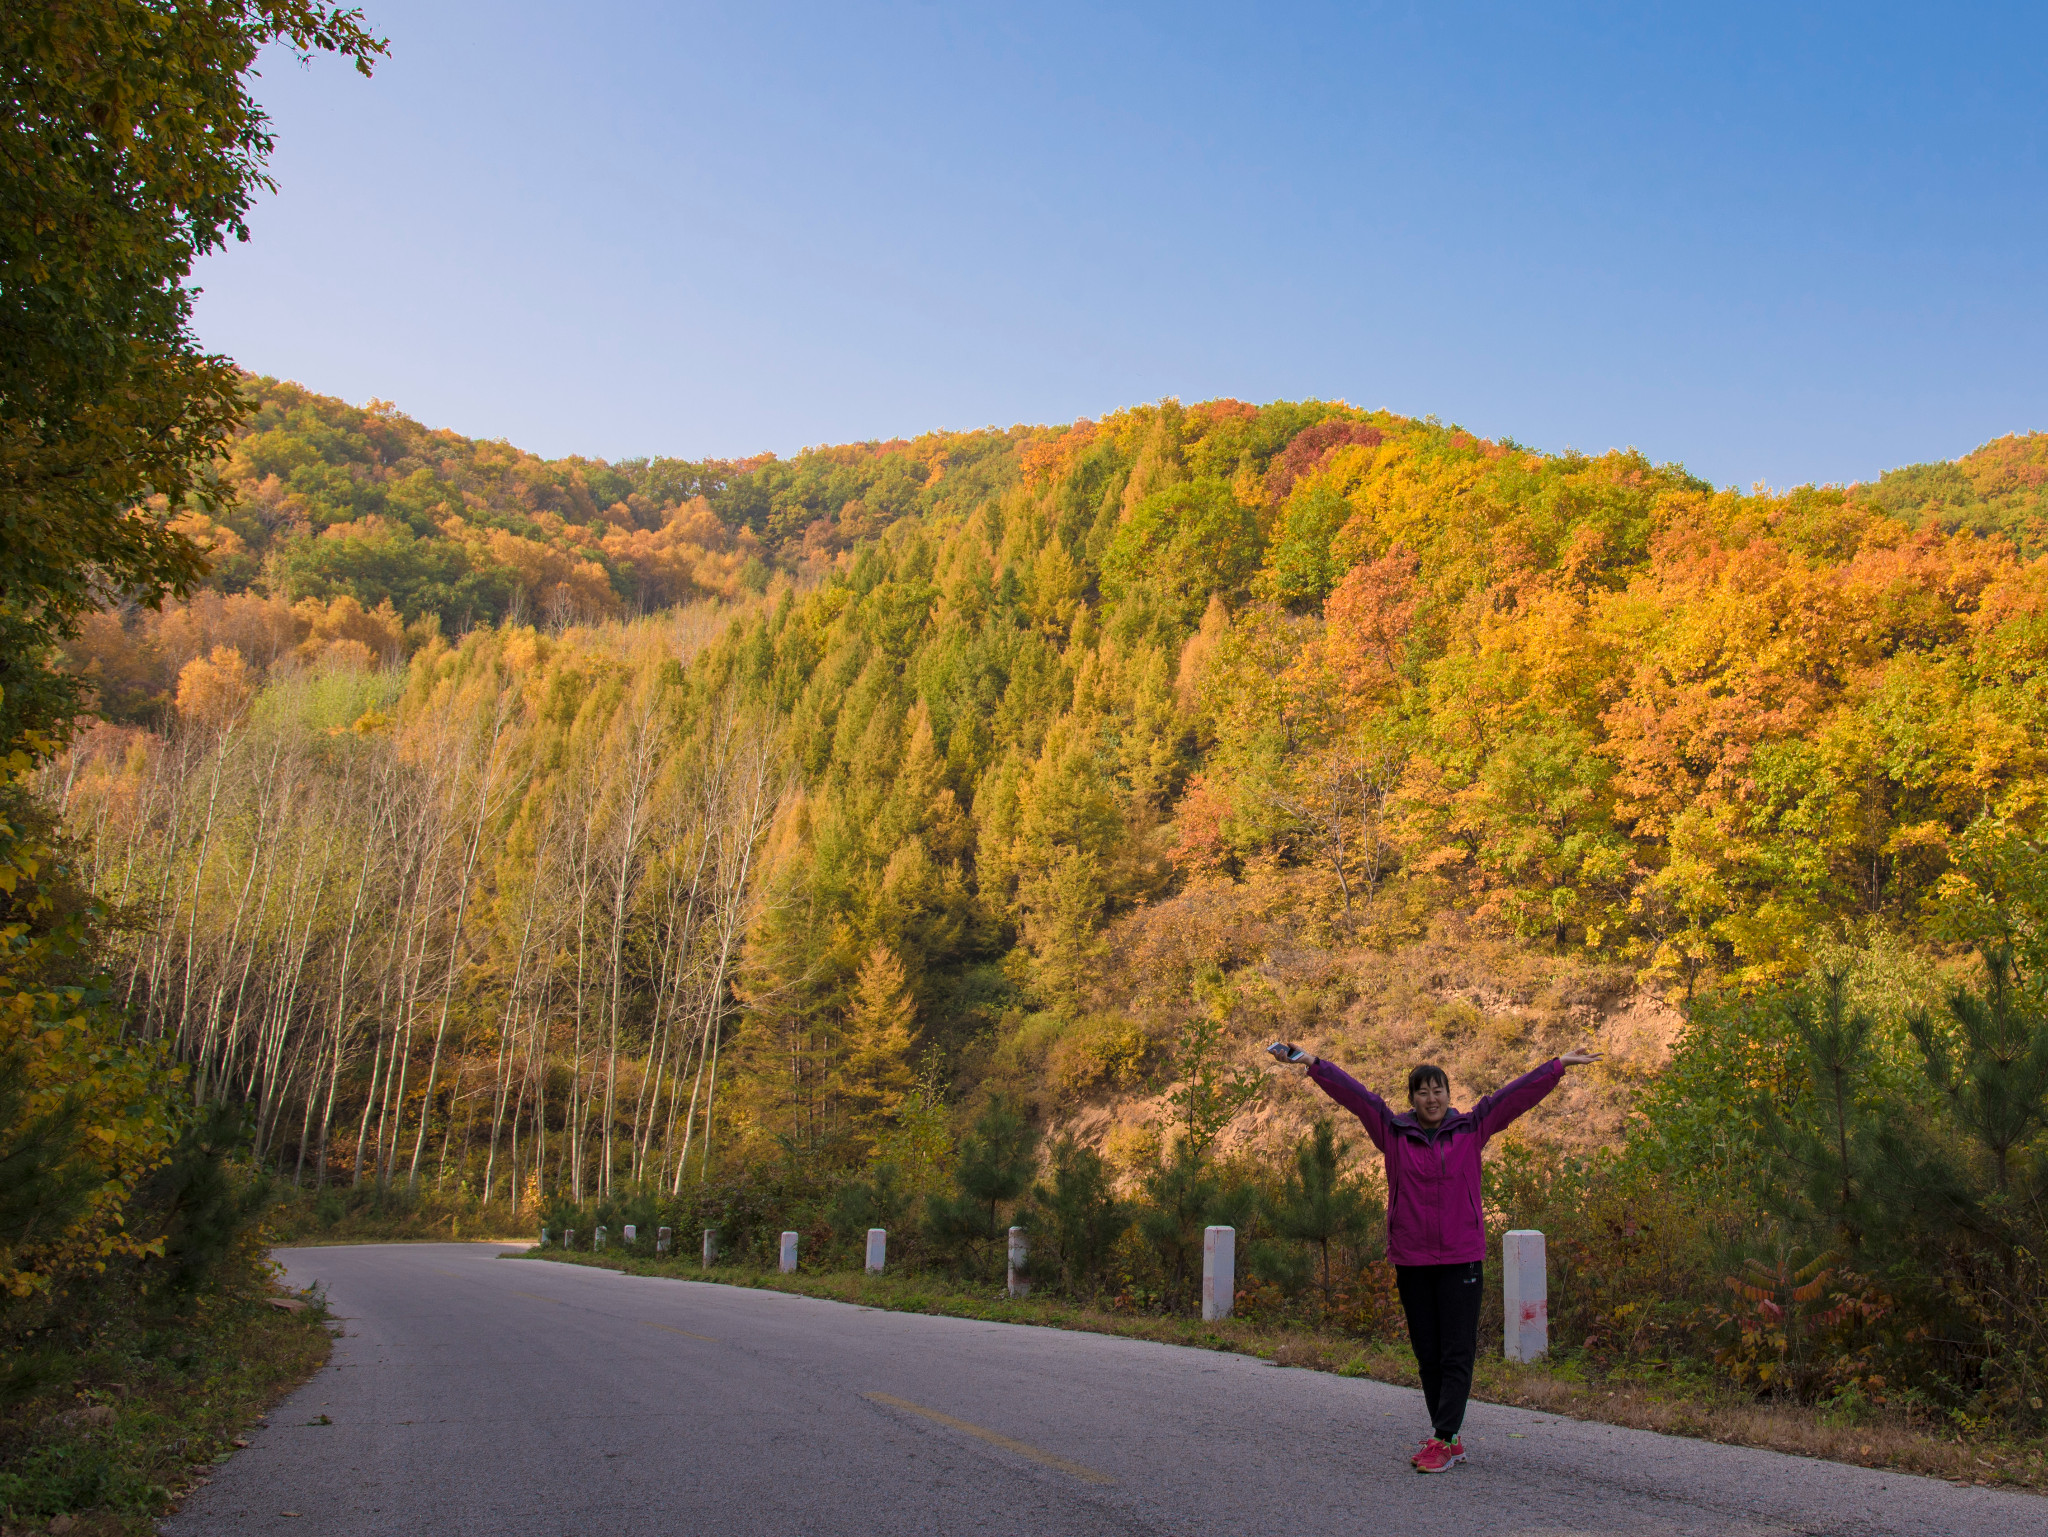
1431	1102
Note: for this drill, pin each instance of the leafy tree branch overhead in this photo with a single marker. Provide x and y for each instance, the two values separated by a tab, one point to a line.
131	147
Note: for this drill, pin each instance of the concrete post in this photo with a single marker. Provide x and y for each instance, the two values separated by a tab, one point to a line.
631	1233
789	1254
878	1249
661	1237
543	1238
1219	1272
1020	1262
1525	1291
710	1247
568	1238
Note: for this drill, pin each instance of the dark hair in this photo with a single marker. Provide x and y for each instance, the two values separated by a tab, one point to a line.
1428	1072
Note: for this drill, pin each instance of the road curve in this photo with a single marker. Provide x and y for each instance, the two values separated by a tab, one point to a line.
473	1394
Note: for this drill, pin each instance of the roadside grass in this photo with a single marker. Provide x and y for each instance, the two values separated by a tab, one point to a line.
1669	1399
371	1215
128	1419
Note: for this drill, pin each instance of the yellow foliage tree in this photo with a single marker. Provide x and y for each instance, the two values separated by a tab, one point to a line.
881	1018
212	690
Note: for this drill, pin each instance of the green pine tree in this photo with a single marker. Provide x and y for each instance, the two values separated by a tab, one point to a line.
1184	1194
880	1200
1083	1217
997	1159
1994	1066
1316	1204
1827	1138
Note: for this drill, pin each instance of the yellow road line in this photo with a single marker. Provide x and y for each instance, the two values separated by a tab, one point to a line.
995	1438
537	1297
685	1333
452	1275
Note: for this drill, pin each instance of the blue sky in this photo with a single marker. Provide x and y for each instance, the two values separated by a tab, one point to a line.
1778	243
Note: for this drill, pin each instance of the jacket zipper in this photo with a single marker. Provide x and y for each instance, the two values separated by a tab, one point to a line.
1440	1174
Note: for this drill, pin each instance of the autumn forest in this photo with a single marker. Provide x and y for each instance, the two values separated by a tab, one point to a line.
734	839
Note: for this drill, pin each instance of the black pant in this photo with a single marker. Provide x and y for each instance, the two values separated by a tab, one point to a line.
1442	1304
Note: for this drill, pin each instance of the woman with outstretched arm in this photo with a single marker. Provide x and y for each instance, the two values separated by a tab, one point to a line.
1436	1230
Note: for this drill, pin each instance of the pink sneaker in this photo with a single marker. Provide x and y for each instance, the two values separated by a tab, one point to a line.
1439	1456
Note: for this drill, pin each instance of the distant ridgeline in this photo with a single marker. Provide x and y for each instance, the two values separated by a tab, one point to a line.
1062	732
336	499
362	503
2000	490
339	499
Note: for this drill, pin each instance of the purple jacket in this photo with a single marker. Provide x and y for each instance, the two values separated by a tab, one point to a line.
1433	1211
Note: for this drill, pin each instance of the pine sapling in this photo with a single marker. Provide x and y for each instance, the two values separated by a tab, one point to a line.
1316	1205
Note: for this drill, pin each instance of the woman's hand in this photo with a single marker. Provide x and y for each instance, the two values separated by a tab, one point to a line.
1286	1051
1579	1058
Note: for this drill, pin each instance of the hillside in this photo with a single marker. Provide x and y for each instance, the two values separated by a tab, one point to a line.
362	504
2000	491
997	757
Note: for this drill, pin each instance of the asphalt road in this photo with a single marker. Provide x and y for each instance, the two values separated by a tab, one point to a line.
477	1394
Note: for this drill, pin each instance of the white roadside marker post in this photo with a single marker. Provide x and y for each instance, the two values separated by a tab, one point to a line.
598	1242
1525	1291
661	1237
710	1247
543	1238
631	1233
1219	1272
1020	1263
878	1249
568	1238
789	1254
